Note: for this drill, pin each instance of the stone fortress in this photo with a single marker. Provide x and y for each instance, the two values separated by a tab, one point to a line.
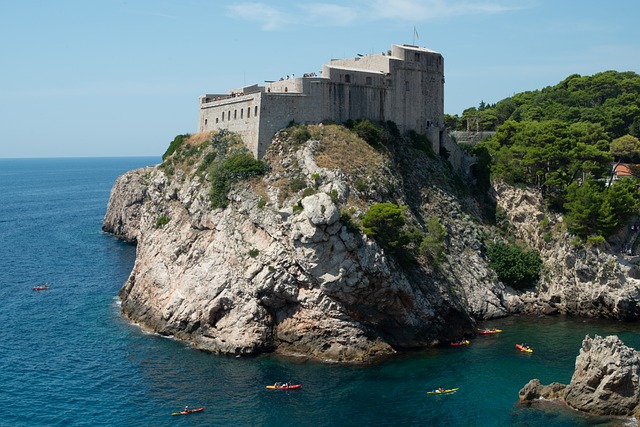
404	85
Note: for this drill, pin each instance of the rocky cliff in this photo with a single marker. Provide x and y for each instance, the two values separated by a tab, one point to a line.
590	281
285	265
605	381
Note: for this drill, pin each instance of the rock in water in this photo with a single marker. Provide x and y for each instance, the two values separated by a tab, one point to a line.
605	380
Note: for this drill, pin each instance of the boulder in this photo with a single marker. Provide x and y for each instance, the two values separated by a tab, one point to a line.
605	380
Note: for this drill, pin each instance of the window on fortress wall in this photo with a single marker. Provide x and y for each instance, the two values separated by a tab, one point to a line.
216	120
417	57
223	117
256	111
241	112
368	80
205	122
347	78
229	115
235	114
248	112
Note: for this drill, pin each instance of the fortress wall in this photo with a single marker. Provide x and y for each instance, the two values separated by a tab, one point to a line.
416	95
379	63
406	88
237	114
354	77
287	86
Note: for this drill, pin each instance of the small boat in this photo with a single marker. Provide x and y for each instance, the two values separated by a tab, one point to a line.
524	347
278	386
459	343
489	331
443	391
188	411
41	287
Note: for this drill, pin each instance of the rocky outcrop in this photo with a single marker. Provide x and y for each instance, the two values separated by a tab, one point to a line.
606	380
260	277
286	267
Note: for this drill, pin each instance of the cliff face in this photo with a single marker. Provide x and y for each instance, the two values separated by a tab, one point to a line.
578	280
282	268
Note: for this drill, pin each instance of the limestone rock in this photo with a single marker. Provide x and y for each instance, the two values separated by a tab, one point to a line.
576	280
605	381
264	275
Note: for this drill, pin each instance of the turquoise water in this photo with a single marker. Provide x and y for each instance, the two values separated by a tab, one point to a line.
67	358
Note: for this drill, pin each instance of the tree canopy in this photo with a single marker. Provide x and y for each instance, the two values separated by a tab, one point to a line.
563	140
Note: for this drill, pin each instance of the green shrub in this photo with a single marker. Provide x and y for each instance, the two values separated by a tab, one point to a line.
360	185
308	192
223	173
347	221
173	146
161	221
300	134
368	131
515	267
421	142
254	253
432	245
335	197
298	183
383	222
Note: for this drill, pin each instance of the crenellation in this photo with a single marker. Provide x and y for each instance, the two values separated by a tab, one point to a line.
405	85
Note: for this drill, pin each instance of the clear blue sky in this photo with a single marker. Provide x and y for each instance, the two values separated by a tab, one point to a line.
122	77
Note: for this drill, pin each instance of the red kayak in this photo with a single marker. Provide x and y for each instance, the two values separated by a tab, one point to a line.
41	288
284	387
459	343
189	411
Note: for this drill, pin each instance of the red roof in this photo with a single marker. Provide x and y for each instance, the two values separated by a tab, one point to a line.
622	170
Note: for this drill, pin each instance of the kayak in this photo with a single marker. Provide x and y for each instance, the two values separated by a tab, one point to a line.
284	387
489	331
459	343
524	348
40	288
447	391
190	411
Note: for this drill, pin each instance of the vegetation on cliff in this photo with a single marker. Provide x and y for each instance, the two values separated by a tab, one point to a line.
563	140
386	174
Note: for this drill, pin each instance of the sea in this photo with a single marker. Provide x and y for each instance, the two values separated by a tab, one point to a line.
69	358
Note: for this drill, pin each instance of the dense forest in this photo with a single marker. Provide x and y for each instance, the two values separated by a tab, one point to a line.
567	140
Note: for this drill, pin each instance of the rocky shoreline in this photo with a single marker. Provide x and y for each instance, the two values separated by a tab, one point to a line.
282	268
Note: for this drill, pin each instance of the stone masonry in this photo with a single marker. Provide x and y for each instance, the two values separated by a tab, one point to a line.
404	85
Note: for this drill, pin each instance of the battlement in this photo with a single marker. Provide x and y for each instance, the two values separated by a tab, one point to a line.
404	85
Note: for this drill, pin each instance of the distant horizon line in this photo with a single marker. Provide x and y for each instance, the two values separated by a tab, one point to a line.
159	156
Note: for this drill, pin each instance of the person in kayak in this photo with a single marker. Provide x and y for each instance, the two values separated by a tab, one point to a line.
186	409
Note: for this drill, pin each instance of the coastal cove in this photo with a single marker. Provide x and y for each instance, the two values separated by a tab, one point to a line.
70	358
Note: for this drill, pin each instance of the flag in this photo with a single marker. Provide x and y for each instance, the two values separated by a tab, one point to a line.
415	32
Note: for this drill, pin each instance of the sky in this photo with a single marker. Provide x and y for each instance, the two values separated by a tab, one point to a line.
102	78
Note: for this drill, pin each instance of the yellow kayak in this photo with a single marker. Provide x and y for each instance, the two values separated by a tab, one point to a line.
447	391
